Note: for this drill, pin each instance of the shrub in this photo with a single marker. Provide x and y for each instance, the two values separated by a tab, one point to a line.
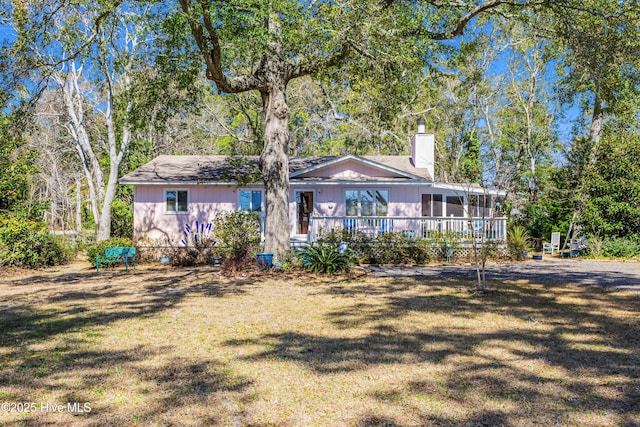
290	260
420	251
620	247
99	247
359	243
390	249
595	245
447	242
238	236
198	246
121	219
518	241
28	243
327	258
386	248
398	248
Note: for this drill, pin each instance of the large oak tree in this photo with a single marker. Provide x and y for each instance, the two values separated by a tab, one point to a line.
250	45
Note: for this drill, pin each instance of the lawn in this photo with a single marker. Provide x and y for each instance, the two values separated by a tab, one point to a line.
187	346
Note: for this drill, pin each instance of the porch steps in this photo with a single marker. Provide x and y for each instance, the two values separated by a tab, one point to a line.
298	241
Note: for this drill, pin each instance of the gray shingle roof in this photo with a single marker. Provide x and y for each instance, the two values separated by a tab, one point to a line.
167	169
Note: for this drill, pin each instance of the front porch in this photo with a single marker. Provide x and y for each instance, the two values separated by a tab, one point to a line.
462	229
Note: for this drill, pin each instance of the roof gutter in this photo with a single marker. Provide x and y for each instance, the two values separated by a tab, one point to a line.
182	183
299	183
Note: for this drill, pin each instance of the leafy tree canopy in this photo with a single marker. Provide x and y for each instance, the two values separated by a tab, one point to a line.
612	186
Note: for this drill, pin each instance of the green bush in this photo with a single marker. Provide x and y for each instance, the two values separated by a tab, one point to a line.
326	258
386	248
28	243
359	243
289	260
518	241
390	249
99	247
237	234
121	219
420	251
595	246
399	248
611	187
447	242
199	246
620	247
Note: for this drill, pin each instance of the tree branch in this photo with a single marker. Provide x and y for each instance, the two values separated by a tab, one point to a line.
209	45
478	10
90	39
306	69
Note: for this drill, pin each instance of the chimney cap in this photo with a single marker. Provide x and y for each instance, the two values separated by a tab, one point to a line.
422	125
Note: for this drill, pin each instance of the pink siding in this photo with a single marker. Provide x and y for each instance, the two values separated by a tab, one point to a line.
350	169
403	200
152	223
330	201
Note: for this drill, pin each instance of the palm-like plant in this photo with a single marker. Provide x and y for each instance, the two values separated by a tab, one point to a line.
327	258
518	241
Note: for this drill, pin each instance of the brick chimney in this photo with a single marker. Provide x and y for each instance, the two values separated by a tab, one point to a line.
423	148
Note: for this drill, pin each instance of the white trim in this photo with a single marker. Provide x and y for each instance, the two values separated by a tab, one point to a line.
357	159
467	189
347	183
291	183
182	183
463	206
262	201
344	192
176	212
435	185
295	204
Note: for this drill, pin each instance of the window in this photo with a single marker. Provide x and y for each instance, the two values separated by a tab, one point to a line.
176	201
251	200
455	206
367	202
432	205
480	205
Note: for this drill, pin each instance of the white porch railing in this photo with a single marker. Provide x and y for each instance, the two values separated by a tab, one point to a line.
426	227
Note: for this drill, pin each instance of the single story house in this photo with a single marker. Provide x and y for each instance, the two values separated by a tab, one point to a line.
373	194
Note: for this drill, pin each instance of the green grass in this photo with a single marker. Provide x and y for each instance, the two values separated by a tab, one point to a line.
188	347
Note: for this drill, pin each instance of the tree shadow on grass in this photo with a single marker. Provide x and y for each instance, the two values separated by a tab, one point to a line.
569	350
375	421
169	393
108	275
550	272
47	326
41	312
488	418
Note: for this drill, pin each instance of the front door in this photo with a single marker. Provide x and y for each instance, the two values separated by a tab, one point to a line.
305	209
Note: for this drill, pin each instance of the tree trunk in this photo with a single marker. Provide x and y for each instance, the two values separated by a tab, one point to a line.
274	165
78	208
595	132
115	156
93	196
104	226
73	101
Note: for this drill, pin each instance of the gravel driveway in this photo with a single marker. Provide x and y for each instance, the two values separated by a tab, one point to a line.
609	274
